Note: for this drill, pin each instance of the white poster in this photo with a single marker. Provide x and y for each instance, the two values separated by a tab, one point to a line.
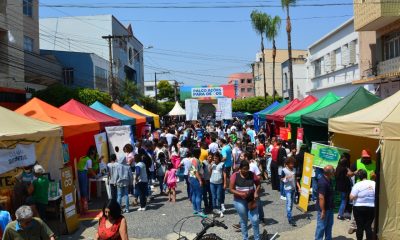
118	136
225	106
20	156
101	145
192	109
202	92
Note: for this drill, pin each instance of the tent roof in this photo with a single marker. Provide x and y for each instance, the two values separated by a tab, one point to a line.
327	100
274	104
274	109
148	113
149	119
239	115
357	100
125	120
14	125
139	118
177	110
81	110
72	124
379	121
294	106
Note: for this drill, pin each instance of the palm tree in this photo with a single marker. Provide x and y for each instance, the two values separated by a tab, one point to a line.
271	33
259	21
285	5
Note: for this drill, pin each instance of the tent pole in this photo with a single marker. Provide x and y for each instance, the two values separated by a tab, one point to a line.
377	190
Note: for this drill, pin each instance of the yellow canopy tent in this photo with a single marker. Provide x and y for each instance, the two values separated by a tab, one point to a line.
377	125
148	113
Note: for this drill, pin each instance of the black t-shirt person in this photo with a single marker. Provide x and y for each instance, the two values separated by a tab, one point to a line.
325	188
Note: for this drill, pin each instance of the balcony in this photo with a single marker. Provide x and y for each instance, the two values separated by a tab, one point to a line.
389	66
371	15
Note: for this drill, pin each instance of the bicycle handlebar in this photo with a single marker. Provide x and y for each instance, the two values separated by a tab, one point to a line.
213	222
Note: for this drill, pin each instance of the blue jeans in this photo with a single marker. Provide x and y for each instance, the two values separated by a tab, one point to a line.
113	190
343	202
289	203
216	193
188	186
196	191
123	192
207	196
244	214
161	182
83	180
281	187
324	227
141	190
260	210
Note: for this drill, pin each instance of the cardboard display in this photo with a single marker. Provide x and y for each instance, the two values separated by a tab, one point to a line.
69	199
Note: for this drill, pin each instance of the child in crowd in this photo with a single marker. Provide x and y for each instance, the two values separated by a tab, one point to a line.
170	180
217	183
289	180
112	175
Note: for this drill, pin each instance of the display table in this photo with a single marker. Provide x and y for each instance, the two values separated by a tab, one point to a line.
98	181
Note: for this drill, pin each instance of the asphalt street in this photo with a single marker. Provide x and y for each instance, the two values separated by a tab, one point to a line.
158	220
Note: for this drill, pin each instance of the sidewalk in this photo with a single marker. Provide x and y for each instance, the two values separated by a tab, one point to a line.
307	232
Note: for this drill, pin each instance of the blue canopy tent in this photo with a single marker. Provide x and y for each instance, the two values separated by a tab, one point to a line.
125	120
256	115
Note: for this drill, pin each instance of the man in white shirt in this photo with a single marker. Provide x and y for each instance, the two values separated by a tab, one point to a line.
213	147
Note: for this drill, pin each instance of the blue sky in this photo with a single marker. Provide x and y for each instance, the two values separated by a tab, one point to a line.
207	52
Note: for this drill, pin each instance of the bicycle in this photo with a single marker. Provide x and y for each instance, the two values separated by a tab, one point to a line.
207	224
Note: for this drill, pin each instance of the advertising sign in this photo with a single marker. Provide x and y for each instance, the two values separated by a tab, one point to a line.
101	145
207	92
306	182
68	189
285	134
20	156
326	155
65	152
192	108
299	141
225	106
118	136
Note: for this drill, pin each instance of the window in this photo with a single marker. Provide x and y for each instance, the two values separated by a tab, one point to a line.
243	90
28	7
345	55
136	55
28	44
317	67
130	55
68	74
338	55
149	88
391	46
101	79
248	80
286	82
249	90
242	80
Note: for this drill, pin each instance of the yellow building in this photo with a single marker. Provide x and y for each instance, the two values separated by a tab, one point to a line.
281	56
380	54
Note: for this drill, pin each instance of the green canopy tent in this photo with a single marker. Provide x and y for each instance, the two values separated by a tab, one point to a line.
315	123
295	118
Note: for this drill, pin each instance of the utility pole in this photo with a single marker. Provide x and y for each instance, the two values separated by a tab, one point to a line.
254	79
111	80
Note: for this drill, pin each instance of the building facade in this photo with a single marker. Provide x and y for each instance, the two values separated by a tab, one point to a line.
22	68
382	18
299	78
333	62
244	84
281	56
85	34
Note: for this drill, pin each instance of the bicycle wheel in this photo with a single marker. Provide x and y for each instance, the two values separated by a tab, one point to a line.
210	236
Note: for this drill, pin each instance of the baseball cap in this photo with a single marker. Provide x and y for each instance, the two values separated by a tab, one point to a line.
365	153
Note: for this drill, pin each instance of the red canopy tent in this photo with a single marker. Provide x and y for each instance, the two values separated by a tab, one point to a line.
78	131
279	115
81	110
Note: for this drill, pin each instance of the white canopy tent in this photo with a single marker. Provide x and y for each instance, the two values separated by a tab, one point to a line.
177	110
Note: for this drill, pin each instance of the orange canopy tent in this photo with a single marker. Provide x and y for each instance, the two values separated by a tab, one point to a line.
139	119
78	131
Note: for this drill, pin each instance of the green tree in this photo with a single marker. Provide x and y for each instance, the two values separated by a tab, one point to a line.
165	90
272	32
286	5
251	104
259	21
88	96
129	93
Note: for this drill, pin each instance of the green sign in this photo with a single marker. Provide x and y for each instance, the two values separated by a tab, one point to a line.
326	155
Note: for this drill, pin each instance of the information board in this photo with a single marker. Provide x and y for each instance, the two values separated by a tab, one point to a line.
306	181
69	199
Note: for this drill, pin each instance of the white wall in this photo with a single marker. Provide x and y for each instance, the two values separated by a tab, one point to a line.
299	80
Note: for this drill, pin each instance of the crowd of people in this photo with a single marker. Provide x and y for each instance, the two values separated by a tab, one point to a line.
213	160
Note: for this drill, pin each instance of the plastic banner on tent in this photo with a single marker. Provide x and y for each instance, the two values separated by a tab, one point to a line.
326	155
192	108
101	145
284	133
225	106
306	182
118	136
20	156
299	141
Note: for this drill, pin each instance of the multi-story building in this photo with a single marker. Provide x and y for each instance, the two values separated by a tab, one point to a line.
22	68
85	34
299	78
281	56
333	62
382	18
244	84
